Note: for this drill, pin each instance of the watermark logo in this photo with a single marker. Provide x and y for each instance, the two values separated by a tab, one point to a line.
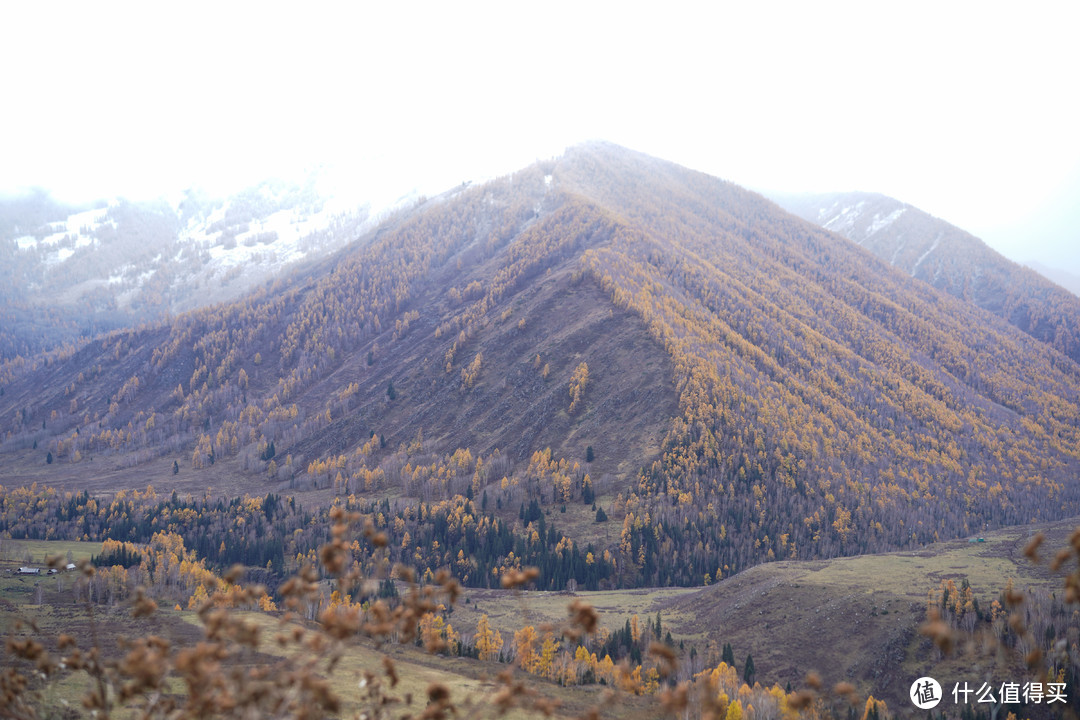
925	693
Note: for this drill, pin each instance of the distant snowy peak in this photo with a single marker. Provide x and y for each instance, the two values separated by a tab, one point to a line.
265	227
860	219
117	262
950	259
896	232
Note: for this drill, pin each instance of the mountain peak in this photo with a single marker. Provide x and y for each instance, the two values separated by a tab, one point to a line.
729	381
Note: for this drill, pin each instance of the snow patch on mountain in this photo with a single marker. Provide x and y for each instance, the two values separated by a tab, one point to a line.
842	222
879	223
78	230
118	276
925	255
896	252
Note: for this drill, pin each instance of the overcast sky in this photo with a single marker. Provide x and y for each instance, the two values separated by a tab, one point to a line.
967	110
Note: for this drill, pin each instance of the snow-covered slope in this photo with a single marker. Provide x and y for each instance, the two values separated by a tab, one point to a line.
67	271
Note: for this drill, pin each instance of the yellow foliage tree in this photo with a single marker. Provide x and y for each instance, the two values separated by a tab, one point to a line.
197	598
525	648
578	381
545	666
488	641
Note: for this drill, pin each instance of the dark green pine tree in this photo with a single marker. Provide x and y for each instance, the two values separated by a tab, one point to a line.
728	655
748	671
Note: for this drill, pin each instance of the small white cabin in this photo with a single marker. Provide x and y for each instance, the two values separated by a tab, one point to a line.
29	571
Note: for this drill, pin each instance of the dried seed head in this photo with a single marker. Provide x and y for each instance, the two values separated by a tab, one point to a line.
144	606
1031	550
547	706
938	630
333	556
437	692
584	616
662	651
667	661
675	700
233	574
27	648
390	670
800	700
514	578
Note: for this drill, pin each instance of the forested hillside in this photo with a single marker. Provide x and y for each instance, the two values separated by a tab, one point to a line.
636	373
948	258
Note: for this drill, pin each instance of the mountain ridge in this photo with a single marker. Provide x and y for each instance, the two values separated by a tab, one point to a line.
815	404
1063	278
950	259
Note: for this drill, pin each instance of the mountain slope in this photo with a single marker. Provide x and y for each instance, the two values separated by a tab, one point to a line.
752	386
75	271
1064	278
950	259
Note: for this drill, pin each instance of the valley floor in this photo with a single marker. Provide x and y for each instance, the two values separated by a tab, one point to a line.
854	619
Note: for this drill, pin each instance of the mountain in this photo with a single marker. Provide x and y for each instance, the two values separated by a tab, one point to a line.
1064	278
725	382
71	271
948	258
